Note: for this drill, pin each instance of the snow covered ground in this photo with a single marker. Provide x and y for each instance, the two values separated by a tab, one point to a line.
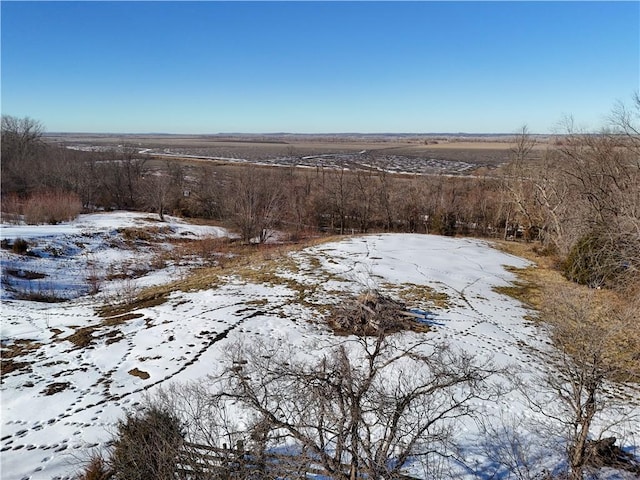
63	397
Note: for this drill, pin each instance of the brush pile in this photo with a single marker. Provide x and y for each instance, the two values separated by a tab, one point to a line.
605	453
372	313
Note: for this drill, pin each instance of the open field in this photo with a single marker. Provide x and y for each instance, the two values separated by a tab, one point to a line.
392	153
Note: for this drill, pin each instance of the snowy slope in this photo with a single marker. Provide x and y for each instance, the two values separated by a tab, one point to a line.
44	436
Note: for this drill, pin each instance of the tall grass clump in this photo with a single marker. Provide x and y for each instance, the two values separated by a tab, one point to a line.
51	207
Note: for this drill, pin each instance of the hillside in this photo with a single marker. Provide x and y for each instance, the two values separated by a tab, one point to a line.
71	369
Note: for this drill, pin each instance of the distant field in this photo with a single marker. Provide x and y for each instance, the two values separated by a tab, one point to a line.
395	153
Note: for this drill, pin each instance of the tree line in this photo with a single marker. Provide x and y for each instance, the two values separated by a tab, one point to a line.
580	200
255	200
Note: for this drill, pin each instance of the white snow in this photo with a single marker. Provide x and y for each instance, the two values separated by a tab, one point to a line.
45	436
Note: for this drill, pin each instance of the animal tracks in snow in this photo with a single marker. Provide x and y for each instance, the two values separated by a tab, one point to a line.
185	338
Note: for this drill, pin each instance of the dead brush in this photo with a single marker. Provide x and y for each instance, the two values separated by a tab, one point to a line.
372	313
12	351
208	251
97	468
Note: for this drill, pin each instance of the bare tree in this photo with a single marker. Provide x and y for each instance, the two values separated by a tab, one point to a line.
21	147
364	202
157	190
121	176
256	203
366	407
593	349
584	193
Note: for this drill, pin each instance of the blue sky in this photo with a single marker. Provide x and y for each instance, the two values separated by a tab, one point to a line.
317	67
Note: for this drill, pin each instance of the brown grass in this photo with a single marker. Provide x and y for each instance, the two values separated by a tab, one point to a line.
421	296
83	337
150	297
534	282
143	234
25	274
544	288
11	352
139	373
55	387
51	207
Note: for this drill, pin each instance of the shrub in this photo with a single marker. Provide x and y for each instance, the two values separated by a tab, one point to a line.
20	246
601	260
11	208
96	469
147	445
51	207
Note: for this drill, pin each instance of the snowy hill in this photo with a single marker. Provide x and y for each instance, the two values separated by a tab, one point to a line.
73	372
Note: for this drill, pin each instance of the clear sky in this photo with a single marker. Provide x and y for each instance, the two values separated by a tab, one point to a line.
317	67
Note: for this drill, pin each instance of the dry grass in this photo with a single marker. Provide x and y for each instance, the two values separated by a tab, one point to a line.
150	297
83	337
51	207
55	387
420	296
139	373
268	264
25	274
535	282
143	234
11	352
543	288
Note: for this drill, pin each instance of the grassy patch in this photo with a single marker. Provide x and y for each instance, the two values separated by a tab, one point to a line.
150	297
526	289
558	301
12	351
55	387
422	296
139	373
19	246
83	337
534	282
9	364
143	234
42	296
267	264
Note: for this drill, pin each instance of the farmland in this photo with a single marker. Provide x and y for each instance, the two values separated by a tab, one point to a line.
393	153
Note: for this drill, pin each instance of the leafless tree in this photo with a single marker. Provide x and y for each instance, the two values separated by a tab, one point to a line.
386	200
256	201
366	407
121	175
339	195
157	188
365	185
21	147
583	197
592	352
